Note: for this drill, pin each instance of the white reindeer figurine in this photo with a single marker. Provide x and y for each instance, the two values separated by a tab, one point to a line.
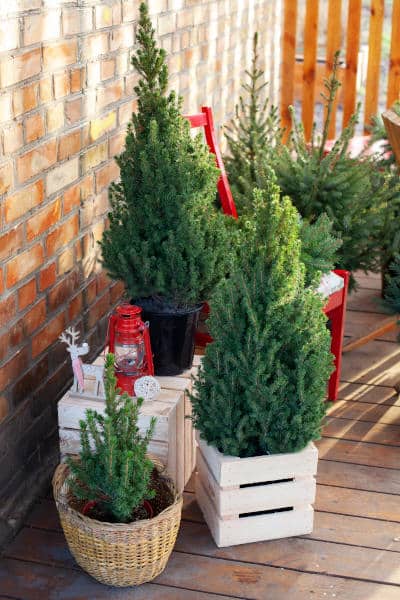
70	337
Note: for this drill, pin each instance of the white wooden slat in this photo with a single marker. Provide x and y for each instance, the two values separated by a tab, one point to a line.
297	493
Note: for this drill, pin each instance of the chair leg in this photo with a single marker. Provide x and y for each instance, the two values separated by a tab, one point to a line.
336	317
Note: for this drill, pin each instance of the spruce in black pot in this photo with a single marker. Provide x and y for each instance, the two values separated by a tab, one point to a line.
166	240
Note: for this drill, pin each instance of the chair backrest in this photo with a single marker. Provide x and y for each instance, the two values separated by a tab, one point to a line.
205	120
392	126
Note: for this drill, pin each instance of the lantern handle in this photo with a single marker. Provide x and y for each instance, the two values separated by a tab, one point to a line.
147	345
110	339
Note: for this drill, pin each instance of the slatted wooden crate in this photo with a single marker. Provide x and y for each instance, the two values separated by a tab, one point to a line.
173	440
253	499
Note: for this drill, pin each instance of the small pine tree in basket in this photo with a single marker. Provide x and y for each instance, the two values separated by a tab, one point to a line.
113	469
166	239
261	387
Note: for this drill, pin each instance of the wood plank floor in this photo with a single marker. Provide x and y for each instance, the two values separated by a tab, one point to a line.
353	552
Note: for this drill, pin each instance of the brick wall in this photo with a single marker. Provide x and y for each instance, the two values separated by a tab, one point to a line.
66	96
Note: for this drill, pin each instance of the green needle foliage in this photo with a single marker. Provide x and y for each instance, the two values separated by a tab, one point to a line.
113	468
252	135
262	383
166	238
353	192
392	297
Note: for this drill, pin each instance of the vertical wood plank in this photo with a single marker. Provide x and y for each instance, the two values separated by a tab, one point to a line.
288	61
374	59
333	44
352	47
394	61
309	65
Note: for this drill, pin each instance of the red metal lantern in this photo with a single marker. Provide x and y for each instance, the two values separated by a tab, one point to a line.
129	341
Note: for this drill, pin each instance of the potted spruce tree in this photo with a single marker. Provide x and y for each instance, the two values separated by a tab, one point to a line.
258	400
166	239
254	138
119	511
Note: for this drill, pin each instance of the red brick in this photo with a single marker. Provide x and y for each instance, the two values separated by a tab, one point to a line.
47	277
77	79
102	282
37	160
76	20
75	307
1	281
16	68
101	204
117	291
60	54
110	93
74	111
107	69
86	186
90	293
55	117
46	93
21	202
63	291
12	138
6	177
35	317
62	235
100	308
48	334
12	338
117	143
102	125
72	199
24	264
11	241
95	45
3	408
95	155
14	367
61	85
25	99
34	128
66	261
69	144
27	294
43	220
7	309
106	175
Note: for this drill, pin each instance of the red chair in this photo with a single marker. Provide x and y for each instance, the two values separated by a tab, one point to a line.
335	309
205	119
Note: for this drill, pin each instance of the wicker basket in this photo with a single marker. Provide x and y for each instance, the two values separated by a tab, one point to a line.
120	554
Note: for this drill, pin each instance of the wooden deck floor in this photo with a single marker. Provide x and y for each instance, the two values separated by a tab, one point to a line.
353	553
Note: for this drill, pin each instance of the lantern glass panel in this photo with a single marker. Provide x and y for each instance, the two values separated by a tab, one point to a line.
129	357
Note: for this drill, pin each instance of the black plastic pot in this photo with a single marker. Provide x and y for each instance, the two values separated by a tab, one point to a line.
172	336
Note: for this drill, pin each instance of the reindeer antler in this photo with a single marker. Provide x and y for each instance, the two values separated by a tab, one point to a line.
73	335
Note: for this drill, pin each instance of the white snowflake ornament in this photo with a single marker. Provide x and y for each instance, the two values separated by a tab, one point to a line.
147	387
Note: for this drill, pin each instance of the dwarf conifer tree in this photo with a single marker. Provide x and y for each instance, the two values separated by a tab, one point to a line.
252	135
262	383
113	468
166	238
392	297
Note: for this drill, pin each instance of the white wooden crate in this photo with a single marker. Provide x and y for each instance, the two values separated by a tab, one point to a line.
173	439
253	499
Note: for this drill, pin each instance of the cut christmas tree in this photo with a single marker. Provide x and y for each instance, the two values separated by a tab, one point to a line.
166	240
259	396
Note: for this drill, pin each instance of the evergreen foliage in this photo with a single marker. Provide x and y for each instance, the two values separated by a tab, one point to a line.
262	382
392	297
252	135
166	238
113	468
360	198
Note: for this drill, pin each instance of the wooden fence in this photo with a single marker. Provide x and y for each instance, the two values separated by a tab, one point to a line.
302	77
